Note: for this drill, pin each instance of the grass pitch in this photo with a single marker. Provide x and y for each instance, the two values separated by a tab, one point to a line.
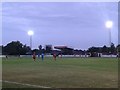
62	73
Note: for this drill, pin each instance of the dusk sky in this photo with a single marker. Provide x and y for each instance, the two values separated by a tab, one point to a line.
77	25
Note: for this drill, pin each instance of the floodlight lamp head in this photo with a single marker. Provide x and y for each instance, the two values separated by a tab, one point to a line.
109	24
30	33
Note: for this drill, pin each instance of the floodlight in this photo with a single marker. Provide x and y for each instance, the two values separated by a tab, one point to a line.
109	24
30	33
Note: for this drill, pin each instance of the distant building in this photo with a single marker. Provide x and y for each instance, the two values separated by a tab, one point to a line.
48	48
56	51
65	50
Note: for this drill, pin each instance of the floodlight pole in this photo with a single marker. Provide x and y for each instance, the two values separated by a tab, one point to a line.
31	42
109	26
110	41
30	33
110	37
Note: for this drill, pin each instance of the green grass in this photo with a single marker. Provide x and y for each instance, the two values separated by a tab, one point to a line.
62	73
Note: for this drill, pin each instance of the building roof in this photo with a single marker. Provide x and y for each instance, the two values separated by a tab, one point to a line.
60	47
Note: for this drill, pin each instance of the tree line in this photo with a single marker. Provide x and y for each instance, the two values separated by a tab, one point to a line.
105	50
17	48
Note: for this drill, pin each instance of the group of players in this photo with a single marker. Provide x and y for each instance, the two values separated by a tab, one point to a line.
42	56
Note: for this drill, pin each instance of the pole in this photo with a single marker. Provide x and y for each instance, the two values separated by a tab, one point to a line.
110	37
110	41
31	42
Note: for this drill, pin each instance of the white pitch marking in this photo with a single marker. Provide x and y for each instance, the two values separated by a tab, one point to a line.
25	84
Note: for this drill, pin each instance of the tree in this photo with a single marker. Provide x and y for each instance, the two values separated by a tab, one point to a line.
25	49
15	48
105	49
40	49
48	48
36	51
113	49
93	49
118	50
43	50
1	47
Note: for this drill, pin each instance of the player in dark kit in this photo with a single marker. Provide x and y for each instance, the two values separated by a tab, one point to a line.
34	56
6	57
